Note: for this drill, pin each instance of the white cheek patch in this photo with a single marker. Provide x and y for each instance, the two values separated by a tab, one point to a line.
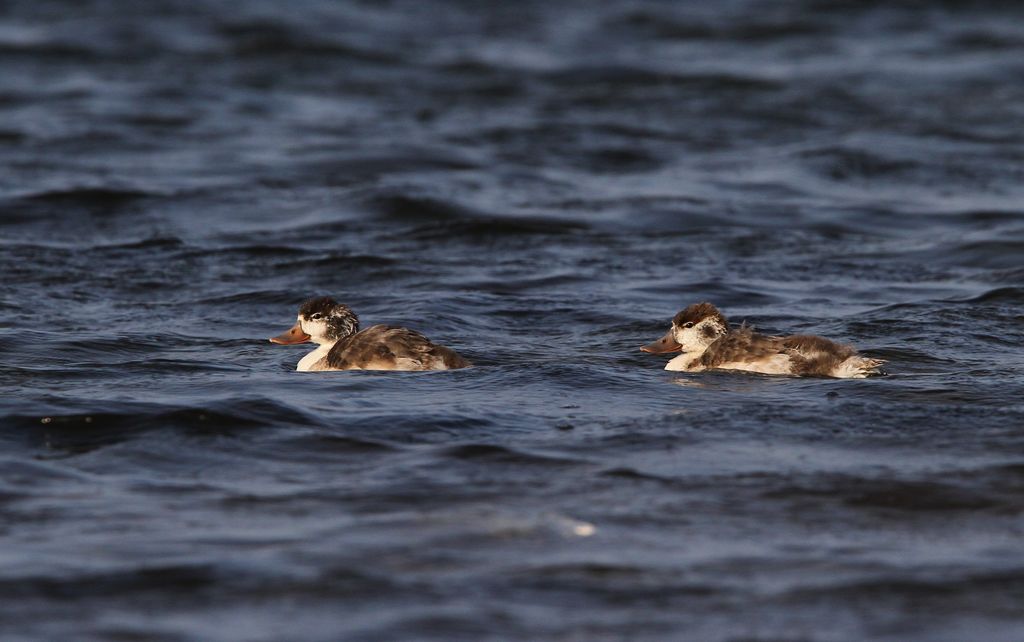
315	329
696	337
686	337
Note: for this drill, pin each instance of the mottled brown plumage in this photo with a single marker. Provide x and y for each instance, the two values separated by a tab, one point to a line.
702	333
335	328
808	355
737	345
384	347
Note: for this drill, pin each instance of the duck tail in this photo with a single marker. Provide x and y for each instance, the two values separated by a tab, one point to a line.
858	367
450	359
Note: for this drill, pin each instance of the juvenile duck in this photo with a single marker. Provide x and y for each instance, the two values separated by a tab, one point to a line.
702	333
335	328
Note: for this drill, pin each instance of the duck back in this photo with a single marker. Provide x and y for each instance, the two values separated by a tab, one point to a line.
384	347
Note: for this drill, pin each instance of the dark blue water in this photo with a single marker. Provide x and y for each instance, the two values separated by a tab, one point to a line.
539	185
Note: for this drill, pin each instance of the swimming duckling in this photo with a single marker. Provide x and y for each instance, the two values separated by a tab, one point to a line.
335	328
702	333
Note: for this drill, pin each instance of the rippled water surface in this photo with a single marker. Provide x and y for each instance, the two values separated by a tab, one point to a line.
539	185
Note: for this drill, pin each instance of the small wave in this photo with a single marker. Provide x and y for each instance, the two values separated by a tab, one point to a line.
621	160
622	583
34	473
901	354
624	76
631	474
840	163
1001	586
278	297
104	349
892	494
438	218
664	26
403	207
184	579
256	250
10	137
89	196
976	40
970	217
272	39
343	262
542	282
50	50
355	171
152	243
996	295
404	426
329	444
492	453
159	121
994	253
41	207
914	496
496	227
81	432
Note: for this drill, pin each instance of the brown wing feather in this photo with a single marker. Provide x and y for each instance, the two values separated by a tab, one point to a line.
741	345
383	347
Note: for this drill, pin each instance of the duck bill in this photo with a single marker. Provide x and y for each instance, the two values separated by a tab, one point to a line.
665	344
294	335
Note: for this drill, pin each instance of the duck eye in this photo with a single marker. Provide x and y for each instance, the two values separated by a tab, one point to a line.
317	316
688	324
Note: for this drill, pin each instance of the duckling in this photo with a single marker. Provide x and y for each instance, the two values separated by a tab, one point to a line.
702	333
342	346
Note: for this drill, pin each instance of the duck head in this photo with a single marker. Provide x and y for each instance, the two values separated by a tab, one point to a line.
323	321
693	330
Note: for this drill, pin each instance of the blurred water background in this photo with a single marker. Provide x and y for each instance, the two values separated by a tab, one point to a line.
539	185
